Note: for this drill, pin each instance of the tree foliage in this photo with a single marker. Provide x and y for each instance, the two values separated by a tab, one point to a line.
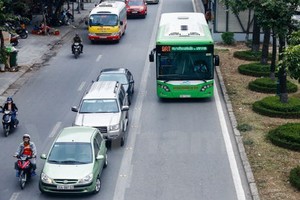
291	60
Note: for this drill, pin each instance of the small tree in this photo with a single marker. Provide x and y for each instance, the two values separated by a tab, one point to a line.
291	60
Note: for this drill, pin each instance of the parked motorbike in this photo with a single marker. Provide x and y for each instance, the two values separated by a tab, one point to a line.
76	49
22	31
25	169
14	40
8	124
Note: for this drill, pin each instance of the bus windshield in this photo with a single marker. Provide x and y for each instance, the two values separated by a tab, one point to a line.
184	66
103	20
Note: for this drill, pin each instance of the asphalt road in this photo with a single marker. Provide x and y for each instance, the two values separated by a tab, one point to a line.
174	150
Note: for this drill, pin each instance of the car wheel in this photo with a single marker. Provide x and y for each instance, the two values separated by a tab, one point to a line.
41	190
108	144
122	141
105	162
98	185
129	100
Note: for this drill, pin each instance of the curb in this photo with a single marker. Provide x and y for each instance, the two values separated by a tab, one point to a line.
239	139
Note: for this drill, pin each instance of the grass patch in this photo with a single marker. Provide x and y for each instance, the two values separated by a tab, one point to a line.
244	127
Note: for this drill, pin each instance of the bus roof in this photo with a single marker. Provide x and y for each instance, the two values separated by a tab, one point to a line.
183	28
109	7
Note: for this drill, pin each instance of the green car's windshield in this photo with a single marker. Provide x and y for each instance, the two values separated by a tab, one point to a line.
71	153
99	106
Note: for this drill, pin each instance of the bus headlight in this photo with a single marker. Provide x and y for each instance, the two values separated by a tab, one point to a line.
206	87
164	87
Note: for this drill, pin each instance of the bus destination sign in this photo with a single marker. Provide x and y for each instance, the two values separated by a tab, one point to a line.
168	48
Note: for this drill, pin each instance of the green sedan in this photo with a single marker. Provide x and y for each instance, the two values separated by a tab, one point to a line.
75	162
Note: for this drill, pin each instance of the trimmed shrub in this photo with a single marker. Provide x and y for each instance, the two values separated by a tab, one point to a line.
286	136
228	38
254	69
295	177
267	85
272	107
247	55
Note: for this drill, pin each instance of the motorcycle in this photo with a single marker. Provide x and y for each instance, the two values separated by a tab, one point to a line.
22	31
24	168
76	49
8	124
65	17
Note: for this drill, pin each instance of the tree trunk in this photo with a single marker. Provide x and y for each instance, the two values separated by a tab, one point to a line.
256	35
282	73
265	47
1	40
274	56
248	25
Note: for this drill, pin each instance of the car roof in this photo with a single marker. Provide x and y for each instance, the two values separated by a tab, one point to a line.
76	134
114	70
104	90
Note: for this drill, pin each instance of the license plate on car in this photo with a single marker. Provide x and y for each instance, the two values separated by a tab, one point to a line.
134	12
185	96
65	187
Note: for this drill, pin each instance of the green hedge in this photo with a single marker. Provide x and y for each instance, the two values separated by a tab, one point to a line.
255	69
247	55
267	85
295	177
286	136
272	107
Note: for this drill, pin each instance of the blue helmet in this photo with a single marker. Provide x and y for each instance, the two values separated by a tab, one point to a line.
9	99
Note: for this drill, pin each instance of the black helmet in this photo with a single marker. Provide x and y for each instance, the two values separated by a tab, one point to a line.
9	99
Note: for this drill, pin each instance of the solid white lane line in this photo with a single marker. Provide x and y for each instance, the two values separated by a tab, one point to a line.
99	58
232	161
125	171
81	86
55	129
14	196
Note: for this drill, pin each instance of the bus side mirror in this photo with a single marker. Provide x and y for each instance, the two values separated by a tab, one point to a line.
86	22
121	23
217	60
151	55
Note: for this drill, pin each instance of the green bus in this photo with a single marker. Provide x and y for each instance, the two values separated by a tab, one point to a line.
184	55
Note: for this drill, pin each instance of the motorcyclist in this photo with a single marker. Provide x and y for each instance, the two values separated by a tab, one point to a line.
11	106
77	39
26	148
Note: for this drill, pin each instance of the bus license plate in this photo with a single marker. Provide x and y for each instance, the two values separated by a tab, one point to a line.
65	187
185	96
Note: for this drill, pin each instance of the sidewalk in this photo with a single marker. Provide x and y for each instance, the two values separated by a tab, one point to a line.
33	50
